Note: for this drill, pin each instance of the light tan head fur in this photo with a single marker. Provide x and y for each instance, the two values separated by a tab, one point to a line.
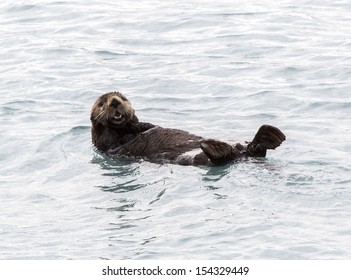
112	109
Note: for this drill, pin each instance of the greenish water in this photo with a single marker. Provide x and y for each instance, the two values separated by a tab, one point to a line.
215	69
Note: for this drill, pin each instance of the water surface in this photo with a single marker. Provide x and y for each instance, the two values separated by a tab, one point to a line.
216	69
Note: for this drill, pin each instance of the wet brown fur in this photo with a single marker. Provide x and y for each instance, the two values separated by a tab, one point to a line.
117	131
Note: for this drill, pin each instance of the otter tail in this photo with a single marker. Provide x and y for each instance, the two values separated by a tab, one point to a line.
267	137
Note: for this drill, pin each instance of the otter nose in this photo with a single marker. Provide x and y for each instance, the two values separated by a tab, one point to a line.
114	103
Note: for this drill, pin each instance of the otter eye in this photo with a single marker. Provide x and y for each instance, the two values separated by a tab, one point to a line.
101	104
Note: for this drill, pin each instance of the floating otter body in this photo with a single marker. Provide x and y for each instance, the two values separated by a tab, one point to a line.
117	131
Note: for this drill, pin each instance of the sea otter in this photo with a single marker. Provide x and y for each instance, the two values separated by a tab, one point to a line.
117	131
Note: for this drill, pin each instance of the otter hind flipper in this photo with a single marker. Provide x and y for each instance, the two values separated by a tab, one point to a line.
217	151
267	137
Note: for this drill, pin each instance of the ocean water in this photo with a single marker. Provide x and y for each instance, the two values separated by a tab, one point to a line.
219	69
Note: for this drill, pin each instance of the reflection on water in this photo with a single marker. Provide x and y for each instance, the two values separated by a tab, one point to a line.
158	197
216	173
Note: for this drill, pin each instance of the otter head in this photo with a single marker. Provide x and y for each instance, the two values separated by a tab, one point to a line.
113	110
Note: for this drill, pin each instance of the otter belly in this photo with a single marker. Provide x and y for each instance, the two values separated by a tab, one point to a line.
193	157
163	145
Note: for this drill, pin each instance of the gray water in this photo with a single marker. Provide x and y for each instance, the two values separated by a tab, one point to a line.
219	69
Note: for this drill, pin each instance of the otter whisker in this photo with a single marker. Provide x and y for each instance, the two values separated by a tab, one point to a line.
100	116
127	111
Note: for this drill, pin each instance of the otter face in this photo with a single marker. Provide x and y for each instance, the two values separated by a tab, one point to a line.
112	109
